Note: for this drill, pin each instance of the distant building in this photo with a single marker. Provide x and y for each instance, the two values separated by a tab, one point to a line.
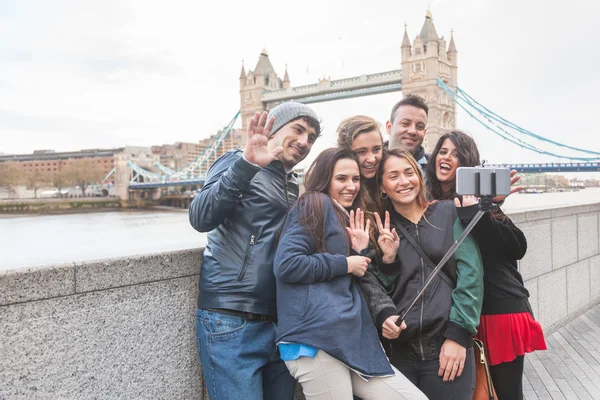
49	162
178	155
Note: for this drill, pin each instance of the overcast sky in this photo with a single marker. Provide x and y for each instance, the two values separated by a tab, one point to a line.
100	74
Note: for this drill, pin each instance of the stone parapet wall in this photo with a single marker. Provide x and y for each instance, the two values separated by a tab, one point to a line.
562	266
124	328
113	329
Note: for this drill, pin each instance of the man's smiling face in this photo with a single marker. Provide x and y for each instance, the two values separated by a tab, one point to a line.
296	138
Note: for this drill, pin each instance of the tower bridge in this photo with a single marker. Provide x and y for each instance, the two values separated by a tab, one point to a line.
429	68
424	60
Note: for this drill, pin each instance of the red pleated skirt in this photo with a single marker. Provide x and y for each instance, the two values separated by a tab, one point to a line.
507	336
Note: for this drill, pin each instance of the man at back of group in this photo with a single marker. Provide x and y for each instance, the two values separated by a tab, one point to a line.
407	127
243	204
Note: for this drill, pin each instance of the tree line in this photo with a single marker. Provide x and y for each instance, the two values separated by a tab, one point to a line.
82	173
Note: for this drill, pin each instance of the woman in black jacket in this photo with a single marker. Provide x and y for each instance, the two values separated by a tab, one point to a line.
507	327
435	349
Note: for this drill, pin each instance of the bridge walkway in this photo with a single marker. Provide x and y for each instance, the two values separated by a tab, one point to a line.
570	368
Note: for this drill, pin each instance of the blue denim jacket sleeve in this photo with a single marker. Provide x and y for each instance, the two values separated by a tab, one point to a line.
227	180
297	261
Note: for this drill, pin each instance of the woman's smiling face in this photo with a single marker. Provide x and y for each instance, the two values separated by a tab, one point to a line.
400	181
368	147
446	163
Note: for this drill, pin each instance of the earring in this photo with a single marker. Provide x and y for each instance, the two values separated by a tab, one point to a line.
383	195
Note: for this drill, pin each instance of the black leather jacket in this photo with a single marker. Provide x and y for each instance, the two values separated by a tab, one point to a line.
243	206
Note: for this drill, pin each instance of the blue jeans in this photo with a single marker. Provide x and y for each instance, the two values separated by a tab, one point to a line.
239	358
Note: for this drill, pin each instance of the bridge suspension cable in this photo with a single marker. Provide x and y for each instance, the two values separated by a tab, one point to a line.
168	175
188	170
499	125
163	169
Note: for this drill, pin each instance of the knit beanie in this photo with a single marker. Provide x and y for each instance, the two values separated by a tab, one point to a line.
287	112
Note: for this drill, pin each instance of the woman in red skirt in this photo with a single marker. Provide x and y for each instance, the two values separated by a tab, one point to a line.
507	326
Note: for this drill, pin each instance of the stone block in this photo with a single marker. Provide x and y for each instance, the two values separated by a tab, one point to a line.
578	286
587	235
595	278
117	272
35	283
518	217
564	241
570	210
538	214
135	342
532	286
538	259
552	297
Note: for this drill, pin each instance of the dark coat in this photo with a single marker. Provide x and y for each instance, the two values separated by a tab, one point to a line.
451	306
501	244
243	207
319	302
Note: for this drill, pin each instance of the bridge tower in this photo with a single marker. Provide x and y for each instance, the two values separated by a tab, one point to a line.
425	60
255	83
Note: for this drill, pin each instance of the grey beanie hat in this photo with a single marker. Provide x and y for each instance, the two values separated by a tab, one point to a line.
286	112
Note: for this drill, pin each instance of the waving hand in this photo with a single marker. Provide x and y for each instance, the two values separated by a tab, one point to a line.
358	230
257	137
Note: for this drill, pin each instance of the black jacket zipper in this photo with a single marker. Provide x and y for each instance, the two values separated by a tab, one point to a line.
285	188
246	258
422	300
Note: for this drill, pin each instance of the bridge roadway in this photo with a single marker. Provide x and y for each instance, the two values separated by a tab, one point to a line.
570	368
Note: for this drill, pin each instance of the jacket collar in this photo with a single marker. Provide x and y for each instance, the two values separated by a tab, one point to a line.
420	155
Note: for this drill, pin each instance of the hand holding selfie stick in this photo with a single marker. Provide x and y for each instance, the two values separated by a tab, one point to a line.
485	204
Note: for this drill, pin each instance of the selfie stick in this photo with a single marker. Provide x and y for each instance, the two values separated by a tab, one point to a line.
485	204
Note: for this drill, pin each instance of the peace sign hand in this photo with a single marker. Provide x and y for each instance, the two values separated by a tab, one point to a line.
388	240
257	137
358	231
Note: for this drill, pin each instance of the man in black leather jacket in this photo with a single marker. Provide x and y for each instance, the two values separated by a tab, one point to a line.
243	205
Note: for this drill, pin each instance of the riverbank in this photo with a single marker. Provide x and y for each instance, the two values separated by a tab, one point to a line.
58	206
29	207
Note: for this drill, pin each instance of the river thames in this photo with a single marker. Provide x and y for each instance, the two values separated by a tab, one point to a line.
51	239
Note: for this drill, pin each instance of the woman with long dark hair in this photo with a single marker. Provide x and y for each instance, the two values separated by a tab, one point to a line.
435	350
507	327
325	333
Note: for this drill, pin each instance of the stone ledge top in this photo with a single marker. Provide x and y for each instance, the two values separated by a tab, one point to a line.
36	283
526	216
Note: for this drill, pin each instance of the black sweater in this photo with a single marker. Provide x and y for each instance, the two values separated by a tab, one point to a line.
501	243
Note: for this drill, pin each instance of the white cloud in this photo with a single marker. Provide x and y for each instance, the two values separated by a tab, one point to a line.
111	73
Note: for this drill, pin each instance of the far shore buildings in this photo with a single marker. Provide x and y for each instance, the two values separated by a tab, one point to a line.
112	166
176	156
48	163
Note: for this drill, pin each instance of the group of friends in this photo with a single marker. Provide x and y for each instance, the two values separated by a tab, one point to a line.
309	287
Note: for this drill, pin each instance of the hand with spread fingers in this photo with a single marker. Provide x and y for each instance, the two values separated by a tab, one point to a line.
452	360
390	330
466	201
388	240
358	230
514	178
257	138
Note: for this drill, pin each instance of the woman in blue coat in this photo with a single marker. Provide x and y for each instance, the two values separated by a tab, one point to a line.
325	333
